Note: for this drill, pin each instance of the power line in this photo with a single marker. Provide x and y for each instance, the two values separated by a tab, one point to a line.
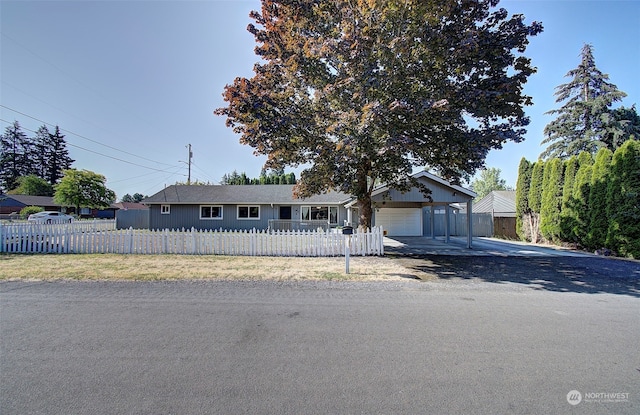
100	154
83	137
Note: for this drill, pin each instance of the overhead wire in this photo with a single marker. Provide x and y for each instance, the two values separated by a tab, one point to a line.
101	154
81	136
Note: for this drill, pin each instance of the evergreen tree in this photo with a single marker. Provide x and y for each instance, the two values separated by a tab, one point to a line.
580	198
623	201
567	213
523	211
127	198
535	198
625	126
57	157
15	149
586	121
40	153
551	202
598	221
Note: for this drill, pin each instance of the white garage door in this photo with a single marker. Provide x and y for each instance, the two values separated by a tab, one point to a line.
400	221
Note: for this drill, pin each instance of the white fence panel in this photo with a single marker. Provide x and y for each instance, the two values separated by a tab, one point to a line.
90	238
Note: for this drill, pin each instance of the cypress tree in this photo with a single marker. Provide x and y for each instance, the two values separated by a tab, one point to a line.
551	200
535	198
567	212
580	201
598	221
523	211
623	201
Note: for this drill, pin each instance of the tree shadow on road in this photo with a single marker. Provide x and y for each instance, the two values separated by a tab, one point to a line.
588	275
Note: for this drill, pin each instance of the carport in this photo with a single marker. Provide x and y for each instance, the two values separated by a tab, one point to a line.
403	214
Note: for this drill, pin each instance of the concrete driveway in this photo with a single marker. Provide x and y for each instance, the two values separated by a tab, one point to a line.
412	245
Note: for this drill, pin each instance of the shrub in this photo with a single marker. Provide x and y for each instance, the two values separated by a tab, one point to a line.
29	210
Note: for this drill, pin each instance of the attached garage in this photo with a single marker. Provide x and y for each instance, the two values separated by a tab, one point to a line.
400	221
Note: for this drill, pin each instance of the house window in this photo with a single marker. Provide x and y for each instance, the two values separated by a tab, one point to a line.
210	212
165	209
329	213
248	212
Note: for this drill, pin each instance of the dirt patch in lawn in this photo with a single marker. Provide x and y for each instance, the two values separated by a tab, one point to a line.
176	267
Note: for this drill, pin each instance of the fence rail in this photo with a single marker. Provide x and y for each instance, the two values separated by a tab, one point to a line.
69	239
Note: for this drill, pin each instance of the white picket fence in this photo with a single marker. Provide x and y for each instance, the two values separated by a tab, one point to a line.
68	238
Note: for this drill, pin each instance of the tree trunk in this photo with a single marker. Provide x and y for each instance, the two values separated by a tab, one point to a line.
363	192
366	211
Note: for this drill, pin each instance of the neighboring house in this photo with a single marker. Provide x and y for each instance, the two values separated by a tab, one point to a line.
15	203
273	206
501	204
10	204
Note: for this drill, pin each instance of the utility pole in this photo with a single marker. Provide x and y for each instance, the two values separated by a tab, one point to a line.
189	163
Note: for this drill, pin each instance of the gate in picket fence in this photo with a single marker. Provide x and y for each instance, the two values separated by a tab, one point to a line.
66	239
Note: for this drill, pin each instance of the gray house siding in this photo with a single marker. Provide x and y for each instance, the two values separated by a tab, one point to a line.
188	216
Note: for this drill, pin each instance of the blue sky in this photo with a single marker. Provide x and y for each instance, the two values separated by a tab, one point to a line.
131	83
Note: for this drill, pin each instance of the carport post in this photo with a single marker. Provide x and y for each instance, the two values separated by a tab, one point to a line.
447	219
469	223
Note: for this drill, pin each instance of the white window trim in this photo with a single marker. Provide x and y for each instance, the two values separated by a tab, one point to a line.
164	211
211	218
328	207
248	211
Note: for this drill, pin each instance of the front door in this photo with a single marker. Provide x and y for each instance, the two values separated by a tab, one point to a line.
285	212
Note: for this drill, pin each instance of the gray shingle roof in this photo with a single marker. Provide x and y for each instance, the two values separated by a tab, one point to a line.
235	194
32	200
500	202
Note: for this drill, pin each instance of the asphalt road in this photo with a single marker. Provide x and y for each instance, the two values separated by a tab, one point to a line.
463	347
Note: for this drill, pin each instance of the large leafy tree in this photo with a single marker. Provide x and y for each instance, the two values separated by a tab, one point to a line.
488	181
586	121
32	185
83	188
363	91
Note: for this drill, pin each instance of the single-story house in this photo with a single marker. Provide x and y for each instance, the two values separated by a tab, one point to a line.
13	204
501	204
10	204
273	206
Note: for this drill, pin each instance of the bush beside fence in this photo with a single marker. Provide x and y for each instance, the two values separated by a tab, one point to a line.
71	239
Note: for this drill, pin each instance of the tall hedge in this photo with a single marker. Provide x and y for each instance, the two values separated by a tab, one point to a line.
551	203
598	221
522	198
580	201
567	213
592	202
535	198
623	201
